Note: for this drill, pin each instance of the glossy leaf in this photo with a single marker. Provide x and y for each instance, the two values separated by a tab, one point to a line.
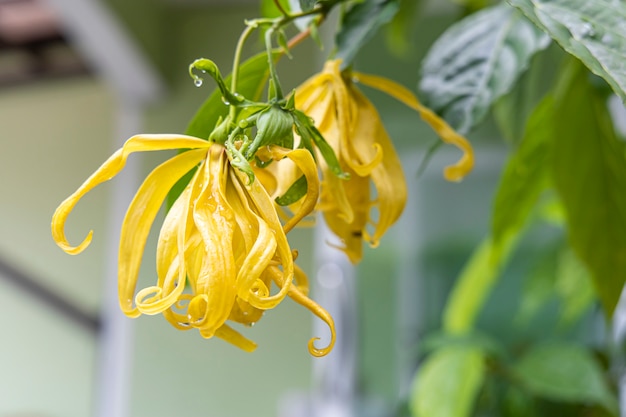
589	172
592	31
564	372
360	24
475	62
448	383
524	176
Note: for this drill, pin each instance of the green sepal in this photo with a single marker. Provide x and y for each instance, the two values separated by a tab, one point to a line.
309	133
238	161
281	38
296	191
274	127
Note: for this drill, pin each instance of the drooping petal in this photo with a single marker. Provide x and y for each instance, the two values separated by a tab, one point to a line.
108	170
455	172
299	297
306	164
139	218
388	178
227	333
357	192
264	206
214	219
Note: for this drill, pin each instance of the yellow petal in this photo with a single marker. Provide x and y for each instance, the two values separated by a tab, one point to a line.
139	218
233	337
388	178
108	170
455	172
299	297
266	210
357	193
305	162
215	221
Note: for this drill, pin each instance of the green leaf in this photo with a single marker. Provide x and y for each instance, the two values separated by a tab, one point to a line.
511	111
473	286
574	287
524	177
475	62
400	29
253	75
589	173
269	9
592	31
564	372
538	289
448	383
360	24
296	191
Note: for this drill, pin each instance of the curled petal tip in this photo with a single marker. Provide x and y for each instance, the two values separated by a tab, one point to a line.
73	250
318	353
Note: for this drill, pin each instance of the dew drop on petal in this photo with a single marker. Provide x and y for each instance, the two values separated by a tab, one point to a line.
197	82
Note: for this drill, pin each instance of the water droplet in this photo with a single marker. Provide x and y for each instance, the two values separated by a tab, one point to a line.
197	82
587	31
225	101
608	40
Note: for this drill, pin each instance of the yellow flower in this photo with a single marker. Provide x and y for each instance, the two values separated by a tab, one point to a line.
222	237
351	125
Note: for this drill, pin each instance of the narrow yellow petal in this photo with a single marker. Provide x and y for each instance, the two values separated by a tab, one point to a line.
227	333
299	297
108	170
388	178
305	162
139	218
214	219
455	172
267	211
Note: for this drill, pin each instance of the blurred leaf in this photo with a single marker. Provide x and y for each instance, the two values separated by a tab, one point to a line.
473	286
400	29
538	289
589	172
447	383
307	5
593	31
511	111
253	75
269	9
564	372
574	287
475	339
475	62
360	24
518	403
524	177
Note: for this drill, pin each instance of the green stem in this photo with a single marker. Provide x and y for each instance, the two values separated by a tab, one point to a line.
271	66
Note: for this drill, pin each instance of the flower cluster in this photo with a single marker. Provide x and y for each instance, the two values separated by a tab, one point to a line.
222	254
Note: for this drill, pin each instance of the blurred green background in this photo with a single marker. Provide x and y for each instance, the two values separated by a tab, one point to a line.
56	132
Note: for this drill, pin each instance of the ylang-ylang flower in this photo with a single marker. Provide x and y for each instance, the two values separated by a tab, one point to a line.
351	125
222	253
